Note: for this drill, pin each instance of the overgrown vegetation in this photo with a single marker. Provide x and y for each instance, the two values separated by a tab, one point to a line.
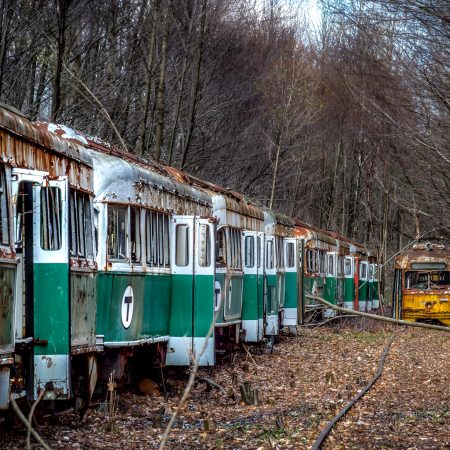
344	125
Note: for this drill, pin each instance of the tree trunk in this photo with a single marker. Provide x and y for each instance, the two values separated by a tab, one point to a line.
62	6
160	103
35	107
181	86
142	145
275	170
195	85
5	18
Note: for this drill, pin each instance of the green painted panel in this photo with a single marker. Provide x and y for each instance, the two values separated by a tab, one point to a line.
83	303
203	304
313	284
182	308
7	278
260	281
151	305
340	290
363	291
330	290
188	318
349	290
111	288
250	307
281	288
220	277
157	305
291	291
51	308
271	297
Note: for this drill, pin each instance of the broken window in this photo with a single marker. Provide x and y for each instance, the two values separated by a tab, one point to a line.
51	218
4	213
427	280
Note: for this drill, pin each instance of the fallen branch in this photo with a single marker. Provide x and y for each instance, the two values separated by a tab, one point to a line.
382	318
30	417
250	355
213	384
28	424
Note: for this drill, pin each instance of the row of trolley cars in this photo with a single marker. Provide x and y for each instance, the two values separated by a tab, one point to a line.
109	262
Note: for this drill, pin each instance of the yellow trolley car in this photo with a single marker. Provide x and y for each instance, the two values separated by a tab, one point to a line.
422	284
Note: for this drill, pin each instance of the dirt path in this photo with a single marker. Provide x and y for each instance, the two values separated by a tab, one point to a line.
302	384
409	407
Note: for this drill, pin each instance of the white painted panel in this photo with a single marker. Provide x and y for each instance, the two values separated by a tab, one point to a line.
54	368
252	330
290	316
4	387
272	326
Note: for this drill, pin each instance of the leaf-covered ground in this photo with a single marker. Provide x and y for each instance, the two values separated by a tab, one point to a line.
302	384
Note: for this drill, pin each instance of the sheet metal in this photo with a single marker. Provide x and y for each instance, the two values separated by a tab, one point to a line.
31	146
121	181
423	253
278	224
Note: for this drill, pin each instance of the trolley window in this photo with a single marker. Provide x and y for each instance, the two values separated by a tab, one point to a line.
280	252
182	245
348	267
269	255
221	257
310	261
290	255
429	266
258	251
4	215
322	261
117	232
81	236
157	239
340	266
363	271
135	235
331	268
166	238
249	251
427	280
50	218
204	244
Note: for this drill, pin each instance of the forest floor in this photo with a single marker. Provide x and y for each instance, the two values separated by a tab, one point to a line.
302	383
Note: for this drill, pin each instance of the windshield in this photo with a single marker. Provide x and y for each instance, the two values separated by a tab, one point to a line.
425	280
